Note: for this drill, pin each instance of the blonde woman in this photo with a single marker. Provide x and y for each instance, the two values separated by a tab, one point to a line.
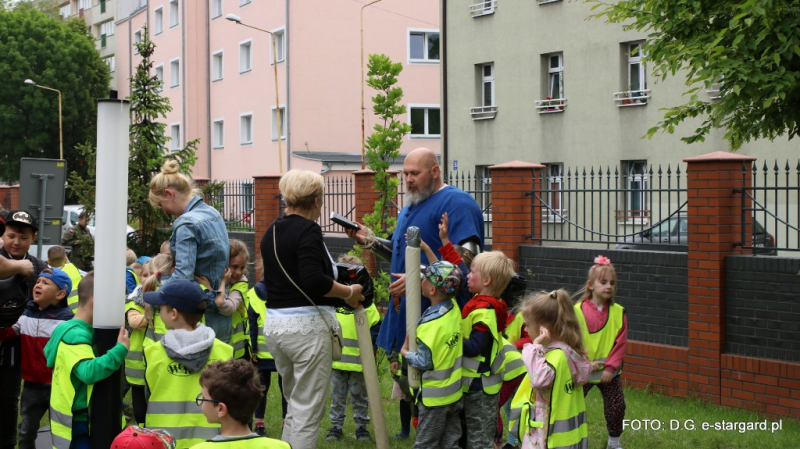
296	333
199	241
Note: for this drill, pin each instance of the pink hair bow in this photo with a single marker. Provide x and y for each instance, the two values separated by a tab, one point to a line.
602	260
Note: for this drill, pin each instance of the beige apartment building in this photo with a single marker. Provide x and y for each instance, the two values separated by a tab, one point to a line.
100	15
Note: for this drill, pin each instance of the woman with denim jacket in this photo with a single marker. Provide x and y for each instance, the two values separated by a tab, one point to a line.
199	242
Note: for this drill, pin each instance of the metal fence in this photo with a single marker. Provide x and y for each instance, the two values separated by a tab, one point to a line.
770	207
236	203
633	205
340	197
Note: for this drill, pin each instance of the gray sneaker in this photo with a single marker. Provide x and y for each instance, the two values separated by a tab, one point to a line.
362	434
334	434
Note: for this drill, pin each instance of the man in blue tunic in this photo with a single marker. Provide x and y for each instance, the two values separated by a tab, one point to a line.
427	198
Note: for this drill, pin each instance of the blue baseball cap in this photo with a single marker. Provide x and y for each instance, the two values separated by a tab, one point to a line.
142	259
61	279
181	294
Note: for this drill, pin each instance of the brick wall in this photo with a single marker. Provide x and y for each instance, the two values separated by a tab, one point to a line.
9	197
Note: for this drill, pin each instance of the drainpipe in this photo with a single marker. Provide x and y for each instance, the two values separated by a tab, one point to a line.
209	143
287	41
443	109
183	71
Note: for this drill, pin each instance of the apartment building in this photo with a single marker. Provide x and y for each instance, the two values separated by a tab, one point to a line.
220	79
100	15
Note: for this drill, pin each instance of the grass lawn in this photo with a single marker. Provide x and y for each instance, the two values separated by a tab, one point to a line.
641	406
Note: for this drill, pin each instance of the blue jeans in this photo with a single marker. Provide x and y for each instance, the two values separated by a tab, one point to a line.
10	383
35	402
80	435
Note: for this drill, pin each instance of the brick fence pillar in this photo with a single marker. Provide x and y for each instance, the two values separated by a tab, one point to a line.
715	225
512	207
201	183
9	197
365	198
267	207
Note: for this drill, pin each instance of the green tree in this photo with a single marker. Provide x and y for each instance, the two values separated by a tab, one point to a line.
147	155
383	147
750	48
54	53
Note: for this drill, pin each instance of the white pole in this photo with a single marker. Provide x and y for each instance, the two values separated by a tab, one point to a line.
371	378
413	298
111	212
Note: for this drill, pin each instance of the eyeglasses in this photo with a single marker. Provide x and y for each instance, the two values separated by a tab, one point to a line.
200	399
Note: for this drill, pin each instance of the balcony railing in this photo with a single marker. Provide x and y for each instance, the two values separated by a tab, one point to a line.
483	112
631	98
714	93
551	105
484	8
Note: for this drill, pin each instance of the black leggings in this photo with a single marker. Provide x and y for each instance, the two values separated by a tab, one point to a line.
139	403
266	380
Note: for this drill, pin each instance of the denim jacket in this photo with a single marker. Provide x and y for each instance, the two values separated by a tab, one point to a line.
199	244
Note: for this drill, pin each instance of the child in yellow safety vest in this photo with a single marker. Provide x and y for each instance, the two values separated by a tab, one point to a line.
347	376
438	357
236	281
557	367
605	335
229	396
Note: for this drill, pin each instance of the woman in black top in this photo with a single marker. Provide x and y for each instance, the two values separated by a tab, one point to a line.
296	332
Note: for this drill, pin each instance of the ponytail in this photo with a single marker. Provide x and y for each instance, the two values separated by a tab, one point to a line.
554	311
161	264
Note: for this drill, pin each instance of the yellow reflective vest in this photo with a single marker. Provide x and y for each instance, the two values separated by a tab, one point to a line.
62	393
567	427
513	366
153	333
75	277
134	361
351	354
248	442
173	390
259	307
514	328
599	344
522	409
491	380
442	384
240	334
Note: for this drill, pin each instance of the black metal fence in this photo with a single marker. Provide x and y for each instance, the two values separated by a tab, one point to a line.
340	197
235	201
770	206
630	207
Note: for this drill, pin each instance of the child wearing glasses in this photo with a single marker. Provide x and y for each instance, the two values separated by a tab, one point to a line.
230	394
174	364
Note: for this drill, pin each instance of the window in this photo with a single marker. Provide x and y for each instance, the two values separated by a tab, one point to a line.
175	137
275	124
137	39
280	46
65	11
423	46
246	128
245	2
175	73
84	4
556	211
487	108
102	6
216	8
108	28
245	56
216	66
173	13
636	71
159	21
219	133
425	121
111	63
159	72
636	183
555	76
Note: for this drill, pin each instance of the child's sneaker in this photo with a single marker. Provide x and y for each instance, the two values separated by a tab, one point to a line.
362	434
334	434
401	436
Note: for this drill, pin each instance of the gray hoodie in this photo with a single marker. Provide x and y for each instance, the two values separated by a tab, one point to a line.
189	348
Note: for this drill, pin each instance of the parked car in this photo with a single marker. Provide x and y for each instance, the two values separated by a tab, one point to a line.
672	234
70	219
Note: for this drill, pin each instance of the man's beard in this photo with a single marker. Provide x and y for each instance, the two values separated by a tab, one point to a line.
422	194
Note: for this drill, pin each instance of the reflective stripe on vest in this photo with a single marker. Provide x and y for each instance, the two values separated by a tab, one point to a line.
75	276
251	442
173	390
513	366
491	380
155	332
599	344
240	337
62	393
442	385
568	428
351	354
259	307
134	363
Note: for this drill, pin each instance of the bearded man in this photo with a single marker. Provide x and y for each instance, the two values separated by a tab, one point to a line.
427	198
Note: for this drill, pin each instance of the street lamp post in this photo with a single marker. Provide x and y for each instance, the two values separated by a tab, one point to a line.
31	82
238	20
363	135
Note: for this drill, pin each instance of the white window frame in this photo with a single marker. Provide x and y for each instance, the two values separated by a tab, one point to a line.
137	39
487	80
243	138
425	32
174	143
174	13
216	9
84	5
274	126
636	185
158	72
111	63
108	28
485	111
248	43
552	72
634	60
174	75
66	10
280	44
217	69
218	129
426	108
555	194
158	20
